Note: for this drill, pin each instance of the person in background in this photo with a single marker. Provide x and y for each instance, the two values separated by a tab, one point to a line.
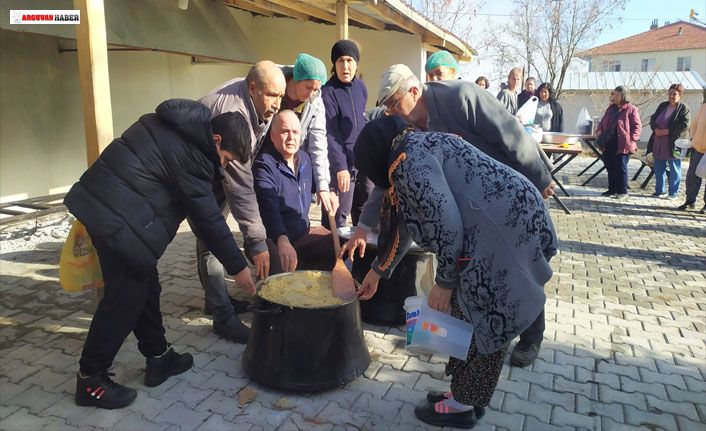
345	97
698	140
482	82
441	66
132	200
669	123
282	174
550	114
527	93
508	95
493	238
618	132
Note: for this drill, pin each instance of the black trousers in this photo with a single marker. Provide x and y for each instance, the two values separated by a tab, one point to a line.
345	202
363	187
617	167
535	332
130	304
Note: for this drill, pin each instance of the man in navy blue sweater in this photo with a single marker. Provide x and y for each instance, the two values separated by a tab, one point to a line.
282	173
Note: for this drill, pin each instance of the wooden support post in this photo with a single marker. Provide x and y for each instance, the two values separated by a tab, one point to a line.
93	74
342	19
95	83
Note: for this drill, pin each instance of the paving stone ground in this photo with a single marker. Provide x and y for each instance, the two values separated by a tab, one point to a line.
624	346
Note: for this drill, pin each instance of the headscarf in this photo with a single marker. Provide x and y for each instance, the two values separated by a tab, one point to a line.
373	148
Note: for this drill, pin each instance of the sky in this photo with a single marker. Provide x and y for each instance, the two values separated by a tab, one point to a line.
636	18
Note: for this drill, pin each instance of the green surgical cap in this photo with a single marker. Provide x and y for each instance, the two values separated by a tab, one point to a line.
441	58
309	67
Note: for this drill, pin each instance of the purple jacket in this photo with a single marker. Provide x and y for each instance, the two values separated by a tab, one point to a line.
628	126
345	118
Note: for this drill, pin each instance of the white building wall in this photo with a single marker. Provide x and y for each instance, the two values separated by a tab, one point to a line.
42	143
664	60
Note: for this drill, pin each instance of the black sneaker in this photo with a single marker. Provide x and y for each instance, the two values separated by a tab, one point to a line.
170	363
608	193
686	207
232	330
524	354
100	391
435	396
238	305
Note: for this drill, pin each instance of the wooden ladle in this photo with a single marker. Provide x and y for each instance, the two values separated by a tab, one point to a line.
343	283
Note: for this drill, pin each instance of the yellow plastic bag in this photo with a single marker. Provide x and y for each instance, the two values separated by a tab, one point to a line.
79	268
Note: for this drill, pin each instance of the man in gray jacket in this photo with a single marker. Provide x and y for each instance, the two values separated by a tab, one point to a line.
464	109
265	90
258	98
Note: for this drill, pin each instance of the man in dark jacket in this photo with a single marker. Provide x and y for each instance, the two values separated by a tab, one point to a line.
283	178
132	201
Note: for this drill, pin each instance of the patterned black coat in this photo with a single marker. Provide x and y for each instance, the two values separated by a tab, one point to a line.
486	223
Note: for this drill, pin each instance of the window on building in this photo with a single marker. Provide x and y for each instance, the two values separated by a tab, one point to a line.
648	64
683	63
613	66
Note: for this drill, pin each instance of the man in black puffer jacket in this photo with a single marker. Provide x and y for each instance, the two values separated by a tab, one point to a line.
132	201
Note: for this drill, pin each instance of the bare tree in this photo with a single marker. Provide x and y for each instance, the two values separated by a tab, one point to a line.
452	15
546	35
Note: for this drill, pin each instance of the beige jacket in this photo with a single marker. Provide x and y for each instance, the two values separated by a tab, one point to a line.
698	130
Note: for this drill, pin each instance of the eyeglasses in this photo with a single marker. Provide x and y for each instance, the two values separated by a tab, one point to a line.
390	111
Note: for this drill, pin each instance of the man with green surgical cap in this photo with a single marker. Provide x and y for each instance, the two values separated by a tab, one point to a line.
441	66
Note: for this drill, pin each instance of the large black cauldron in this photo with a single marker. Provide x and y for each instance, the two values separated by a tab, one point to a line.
305	349
386	306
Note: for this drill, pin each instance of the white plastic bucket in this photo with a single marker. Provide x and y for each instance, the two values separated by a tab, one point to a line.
434	331
683	145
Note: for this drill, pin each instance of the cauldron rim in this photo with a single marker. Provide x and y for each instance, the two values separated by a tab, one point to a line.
261	283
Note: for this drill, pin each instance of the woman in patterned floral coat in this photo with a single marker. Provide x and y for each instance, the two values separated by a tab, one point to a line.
492	236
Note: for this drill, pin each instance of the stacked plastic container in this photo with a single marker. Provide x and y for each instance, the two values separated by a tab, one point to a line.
432	330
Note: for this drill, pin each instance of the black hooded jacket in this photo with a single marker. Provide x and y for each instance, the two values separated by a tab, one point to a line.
162	169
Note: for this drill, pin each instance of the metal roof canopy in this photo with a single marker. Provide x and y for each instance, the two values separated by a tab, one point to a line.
205	29
587	81
394	15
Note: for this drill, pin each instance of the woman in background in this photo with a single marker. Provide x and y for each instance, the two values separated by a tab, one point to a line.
698	140
550	114
345	97
618	133
669	123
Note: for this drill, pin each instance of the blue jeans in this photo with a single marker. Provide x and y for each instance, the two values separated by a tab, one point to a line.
673	179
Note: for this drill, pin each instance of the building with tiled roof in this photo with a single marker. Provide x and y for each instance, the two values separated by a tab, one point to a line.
679	46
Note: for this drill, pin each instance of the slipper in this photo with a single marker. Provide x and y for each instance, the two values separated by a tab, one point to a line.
436	396
425	412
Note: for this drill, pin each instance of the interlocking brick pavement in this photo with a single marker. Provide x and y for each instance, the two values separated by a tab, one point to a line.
624	347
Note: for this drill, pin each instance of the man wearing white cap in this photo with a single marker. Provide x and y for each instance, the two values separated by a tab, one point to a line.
466	110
